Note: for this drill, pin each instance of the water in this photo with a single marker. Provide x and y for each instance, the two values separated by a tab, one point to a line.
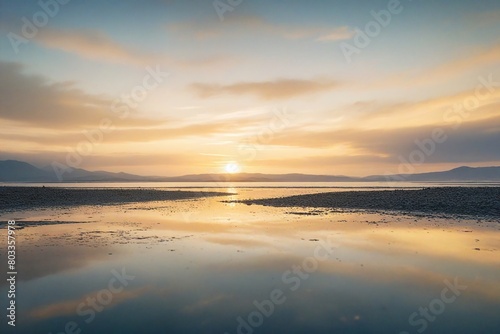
204	266
249	185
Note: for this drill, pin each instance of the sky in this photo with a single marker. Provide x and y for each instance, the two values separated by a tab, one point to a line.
180	87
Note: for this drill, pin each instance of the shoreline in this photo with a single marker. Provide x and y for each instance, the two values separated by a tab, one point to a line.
463	201
26	198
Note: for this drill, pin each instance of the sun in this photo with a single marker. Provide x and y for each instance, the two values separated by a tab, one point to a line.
232	168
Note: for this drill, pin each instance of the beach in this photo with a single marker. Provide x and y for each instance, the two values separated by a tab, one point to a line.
473	201
19	198
465	201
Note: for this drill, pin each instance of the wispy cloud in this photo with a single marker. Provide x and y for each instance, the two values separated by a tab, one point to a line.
134	134
447	71
472	142
116	159
254	24
339	34
267	90
95	45
431	111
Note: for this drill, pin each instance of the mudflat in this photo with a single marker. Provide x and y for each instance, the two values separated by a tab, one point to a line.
20	198
467	201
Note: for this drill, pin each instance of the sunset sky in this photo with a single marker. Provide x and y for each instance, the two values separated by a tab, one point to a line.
271	86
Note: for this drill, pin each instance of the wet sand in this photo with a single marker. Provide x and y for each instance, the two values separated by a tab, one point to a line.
476	202
23	198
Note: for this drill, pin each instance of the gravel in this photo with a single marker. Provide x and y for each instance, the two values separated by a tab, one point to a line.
21	198
468	201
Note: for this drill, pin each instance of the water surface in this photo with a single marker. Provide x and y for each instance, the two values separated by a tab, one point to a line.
203	266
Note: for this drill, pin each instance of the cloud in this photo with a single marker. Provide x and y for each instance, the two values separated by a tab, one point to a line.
475	141
338	34
43	158
129	135
479	58
95	45
245	24
267	90
429	111
34	100
142	131
329	161
446	71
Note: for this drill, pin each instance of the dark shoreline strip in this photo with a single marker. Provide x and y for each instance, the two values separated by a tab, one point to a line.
484	201
22	198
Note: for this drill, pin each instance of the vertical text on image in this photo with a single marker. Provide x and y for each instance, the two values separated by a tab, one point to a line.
11	272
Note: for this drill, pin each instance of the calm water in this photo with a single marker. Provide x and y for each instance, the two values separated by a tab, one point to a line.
203	266
248	185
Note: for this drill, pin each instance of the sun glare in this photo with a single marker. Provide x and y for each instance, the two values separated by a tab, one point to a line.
232	168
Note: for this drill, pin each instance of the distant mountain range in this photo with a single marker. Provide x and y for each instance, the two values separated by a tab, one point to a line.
18	171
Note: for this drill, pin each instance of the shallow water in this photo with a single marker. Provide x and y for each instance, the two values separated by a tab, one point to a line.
253	185
204	266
